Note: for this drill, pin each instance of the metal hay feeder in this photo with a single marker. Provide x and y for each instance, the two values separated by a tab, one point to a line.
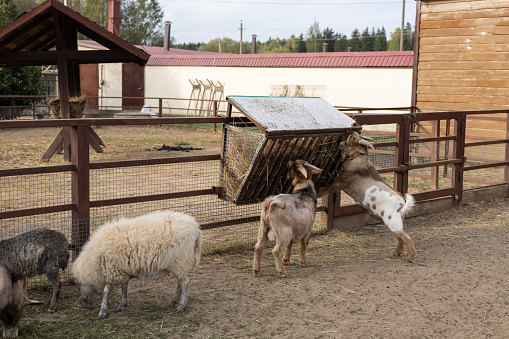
255	155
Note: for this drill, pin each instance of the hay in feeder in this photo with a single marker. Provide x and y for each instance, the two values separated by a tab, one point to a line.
76	107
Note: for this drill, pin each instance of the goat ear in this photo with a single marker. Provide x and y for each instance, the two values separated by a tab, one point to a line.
313	169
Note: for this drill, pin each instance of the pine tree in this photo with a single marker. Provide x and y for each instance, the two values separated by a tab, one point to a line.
380	40
329	38
355	41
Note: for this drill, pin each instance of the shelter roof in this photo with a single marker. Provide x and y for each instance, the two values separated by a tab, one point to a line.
31	39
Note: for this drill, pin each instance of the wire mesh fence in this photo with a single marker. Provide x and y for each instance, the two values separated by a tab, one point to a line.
227	224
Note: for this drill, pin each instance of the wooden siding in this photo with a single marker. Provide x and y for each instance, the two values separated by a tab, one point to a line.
463	60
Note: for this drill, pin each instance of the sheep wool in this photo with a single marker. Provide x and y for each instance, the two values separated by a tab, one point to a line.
146	247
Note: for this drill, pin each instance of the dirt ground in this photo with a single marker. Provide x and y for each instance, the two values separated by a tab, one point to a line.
353	288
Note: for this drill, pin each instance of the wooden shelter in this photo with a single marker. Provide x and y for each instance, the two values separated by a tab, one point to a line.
47	35
254	159
462	60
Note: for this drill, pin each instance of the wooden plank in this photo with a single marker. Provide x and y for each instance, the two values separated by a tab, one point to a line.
463	46
460	6
466	32
471	40
430	106
156	161
453	65
466	56
145	198
52	148
432	14
462	22
480	85
466	99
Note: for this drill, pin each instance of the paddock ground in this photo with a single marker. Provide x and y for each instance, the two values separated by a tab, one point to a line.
353	288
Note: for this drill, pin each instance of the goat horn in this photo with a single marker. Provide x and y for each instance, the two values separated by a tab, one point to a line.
368	138
366	143
303	171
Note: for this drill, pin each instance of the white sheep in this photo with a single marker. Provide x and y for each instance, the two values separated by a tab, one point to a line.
146	247
288	217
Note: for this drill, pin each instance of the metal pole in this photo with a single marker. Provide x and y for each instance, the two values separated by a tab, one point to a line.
240	36
402	27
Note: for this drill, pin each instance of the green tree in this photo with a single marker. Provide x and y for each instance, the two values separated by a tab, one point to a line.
330	39
367	40
341	43
227	46
380	40
8	12
355	41
141	22
314	38
301	45
20	81
408	40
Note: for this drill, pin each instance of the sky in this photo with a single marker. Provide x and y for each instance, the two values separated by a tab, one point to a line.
205	20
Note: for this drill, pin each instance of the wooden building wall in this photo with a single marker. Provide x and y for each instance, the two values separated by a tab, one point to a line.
463	58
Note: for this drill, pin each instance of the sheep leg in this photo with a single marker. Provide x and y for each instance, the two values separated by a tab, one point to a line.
181	294
288	253
278	255
104	303
260	245
303	246
123	302
55	290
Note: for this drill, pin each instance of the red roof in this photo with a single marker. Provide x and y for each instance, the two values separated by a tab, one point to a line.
180	57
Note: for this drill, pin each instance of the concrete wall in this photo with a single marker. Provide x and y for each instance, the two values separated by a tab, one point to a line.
365	87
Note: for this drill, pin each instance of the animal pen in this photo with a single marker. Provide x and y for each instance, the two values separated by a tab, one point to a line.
441	169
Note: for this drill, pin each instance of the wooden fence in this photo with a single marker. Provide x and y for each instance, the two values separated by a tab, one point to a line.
447	152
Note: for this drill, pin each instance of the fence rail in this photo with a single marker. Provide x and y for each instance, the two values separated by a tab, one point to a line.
433	158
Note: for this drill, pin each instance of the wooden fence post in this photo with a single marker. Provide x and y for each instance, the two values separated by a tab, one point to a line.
459	153
330	203
160	108
506	168
402	155
80	182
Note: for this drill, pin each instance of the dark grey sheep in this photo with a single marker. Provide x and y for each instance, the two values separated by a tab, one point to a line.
42	251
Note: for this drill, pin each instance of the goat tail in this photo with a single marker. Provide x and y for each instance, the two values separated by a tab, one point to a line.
409	204
197	252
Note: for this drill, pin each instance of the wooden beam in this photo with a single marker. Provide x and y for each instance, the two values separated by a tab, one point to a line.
35	58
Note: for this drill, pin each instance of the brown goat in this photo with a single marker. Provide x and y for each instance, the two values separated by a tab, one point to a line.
288	217
360	180
12	298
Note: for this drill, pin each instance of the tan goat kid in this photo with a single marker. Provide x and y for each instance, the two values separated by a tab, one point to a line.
288	217
360	180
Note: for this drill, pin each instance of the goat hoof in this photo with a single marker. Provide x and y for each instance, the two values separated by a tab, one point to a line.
411	260
256	273
282	274
180	309
101	316
51	310
396	254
